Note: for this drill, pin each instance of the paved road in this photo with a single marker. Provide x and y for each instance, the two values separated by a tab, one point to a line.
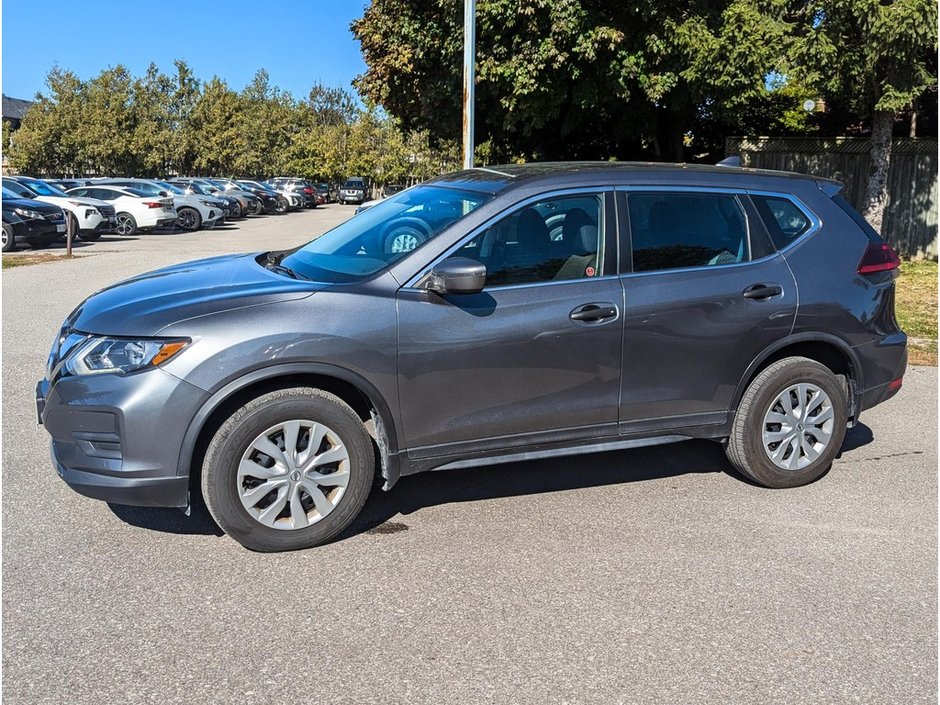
646	576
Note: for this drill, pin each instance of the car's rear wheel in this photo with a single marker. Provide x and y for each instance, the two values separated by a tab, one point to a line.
790	424
291	469
125	224
188	218
8	240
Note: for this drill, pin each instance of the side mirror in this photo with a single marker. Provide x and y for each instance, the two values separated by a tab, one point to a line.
457	275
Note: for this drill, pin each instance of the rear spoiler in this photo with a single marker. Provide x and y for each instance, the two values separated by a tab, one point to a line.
830	187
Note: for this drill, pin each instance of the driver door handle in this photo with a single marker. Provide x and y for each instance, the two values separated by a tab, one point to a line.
593	313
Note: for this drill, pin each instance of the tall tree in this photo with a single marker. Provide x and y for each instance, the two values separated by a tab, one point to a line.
570	78
876	57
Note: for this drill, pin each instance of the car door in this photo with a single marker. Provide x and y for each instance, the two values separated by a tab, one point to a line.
536	354
706	295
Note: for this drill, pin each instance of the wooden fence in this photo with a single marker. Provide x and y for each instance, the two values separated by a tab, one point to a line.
910	222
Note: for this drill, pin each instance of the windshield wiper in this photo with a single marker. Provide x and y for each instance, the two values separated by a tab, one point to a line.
273	263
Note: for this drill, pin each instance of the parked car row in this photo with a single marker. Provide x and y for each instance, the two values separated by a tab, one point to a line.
39	212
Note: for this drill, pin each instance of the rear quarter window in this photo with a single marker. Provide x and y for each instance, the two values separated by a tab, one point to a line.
785	221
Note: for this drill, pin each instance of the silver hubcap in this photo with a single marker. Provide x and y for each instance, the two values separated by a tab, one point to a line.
293	474
798	426
405	242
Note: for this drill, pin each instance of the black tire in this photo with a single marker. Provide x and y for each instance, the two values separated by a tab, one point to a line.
257	208
188	219
220	488
9	239
236	210
745	447
283	205
126	224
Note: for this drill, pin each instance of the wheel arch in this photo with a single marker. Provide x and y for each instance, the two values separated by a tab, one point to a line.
824	348
353	389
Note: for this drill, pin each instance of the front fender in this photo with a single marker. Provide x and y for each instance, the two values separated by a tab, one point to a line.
386	428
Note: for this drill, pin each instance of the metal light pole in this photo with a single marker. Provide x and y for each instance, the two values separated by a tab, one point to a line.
469	52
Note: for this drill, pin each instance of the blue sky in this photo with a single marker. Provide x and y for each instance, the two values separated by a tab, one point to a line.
299	43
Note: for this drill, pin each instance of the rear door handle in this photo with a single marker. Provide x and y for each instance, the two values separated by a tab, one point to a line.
591	313
762	291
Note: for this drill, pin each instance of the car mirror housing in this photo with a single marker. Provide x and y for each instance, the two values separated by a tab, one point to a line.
457	275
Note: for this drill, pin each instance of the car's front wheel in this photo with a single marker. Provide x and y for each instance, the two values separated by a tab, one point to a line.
790	424
188	218
290	469
9	240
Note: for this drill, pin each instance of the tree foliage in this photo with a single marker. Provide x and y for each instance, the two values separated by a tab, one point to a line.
158	124
662	79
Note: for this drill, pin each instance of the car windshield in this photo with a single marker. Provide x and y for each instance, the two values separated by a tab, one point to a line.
171	188
196	187
17	189
354	184
252	184
7	193
44	189
372	240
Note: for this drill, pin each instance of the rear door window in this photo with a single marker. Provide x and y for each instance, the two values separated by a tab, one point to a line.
675	230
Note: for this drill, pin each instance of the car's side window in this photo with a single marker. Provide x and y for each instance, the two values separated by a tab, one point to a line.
104	194
785	220
672	230
557	239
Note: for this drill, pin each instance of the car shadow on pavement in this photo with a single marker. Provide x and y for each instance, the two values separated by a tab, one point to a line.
506	480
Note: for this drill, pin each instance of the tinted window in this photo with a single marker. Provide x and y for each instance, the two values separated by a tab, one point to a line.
671	230
785	220
553	240
44	189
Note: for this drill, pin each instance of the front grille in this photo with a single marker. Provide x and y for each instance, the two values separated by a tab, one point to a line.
55	217
106	211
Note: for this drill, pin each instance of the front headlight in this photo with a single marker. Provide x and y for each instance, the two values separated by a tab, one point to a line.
28	213
207	202
122	355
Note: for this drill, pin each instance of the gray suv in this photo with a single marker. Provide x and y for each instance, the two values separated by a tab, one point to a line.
486	316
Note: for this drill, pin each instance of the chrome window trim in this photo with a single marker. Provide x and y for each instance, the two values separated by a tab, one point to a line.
599	191
722	190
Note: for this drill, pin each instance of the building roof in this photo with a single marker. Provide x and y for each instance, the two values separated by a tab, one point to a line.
15	108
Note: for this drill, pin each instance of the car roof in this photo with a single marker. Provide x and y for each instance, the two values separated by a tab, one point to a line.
501	177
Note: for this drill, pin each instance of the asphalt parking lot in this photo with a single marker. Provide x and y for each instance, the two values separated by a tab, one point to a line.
644	576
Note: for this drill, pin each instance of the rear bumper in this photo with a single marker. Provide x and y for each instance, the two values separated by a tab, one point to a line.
883	364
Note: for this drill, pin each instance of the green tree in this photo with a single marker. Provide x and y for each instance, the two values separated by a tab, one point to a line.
214	129
570	78
877	57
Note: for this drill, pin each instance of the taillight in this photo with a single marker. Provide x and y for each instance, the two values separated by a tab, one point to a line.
308	190
879	257
153	204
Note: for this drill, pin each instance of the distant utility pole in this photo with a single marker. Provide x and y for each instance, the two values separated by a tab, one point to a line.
469	53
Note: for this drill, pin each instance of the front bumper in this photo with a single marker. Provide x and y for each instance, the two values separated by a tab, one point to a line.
118	437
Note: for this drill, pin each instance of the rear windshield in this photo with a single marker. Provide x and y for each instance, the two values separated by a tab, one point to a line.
860	221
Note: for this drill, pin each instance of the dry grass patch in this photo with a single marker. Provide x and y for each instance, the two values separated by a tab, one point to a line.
917	310
40	258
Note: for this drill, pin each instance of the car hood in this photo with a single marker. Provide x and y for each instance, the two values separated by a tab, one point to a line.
144	305
11	203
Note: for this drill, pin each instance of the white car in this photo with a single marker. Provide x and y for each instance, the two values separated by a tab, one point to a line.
192	211
135	209
90	217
